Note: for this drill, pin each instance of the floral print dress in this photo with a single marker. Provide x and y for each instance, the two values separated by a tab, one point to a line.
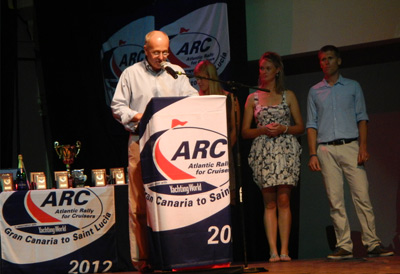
274	160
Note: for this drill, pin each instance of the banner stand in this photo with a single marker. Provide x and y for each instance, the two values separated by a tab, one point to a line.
184	158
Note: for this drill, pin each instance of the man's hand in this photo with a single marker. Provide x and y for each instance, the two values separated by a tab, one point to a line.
313	164
363	156
137	117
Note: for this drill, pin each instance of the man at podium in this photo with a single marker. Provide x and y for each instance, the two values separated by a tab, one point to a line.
152	77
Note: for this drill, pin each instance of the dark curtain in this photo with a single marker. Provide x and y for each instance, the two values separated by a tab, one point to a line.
8	90
70	41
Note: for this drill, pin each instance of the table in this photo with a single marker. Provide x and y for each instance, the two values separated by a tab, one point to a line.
80	230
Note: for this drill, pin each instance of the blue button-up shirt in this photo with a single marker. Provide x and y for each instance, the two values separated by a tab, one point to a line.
334	111
138	84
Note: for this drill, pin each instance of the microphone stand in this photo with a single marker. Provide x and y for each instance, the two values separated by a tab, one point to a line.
234	87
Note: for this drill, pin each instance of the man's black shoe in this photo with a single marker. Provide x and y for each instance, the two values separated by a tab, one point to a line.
378	251
340	254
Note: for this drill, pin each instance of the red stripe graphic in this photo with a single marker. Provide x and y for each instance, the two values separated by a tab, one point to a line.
175	60
39	214
115	67
169	169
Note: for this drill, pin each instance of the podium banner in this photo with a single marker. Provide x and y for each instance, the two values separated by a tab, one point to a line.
58	231
184	159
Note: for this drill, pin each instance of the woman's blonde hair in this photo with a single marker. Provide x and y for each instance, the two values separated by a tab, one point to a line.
207	68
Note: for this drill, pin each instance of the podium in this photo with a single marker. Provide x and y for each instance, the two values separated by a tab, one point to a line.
184	158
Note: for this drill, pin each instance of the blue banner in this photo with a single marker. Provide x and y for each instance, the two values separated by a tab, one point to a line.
185	167
58	231
195	34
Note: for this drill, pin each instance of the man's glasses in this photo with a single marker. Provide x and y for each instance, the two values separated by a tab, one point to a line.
158	53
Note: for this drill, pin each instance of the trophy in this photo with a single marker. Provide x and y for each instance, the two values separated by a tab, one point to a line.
68	153
62	179
99	177
38	180
117	175
6	180
78	178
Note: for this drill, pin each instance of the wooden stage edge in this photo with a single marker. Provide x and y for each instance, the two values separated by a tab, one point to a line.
377	265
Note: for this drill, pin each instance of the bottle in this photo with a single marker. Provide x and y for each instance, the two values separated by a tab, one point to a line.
21	181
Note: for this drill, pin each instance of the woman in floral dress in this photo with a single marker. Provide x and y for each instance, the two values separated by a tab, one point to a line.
275	152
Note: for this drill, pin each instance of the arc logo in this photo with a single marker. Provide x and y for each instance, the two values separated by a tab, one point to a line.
189	48
124	56
52	212
193	159
115	61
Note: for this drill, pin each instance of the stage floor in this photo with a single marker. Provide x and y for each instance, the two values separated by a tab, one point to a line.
356	265
382	265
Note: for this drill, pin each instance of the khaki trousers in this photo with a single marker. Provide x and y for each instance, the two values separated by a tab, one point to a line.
337	161
137	207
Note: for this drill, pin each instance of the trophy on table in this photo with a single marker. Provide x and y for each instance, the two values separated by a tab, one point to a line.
67	153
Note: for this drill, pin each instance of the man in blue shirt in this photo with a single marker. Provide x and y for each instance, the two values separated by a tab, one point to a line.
337	139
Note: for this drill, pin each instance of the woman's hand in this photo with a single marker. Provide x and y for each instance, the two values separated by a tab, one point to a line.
274	129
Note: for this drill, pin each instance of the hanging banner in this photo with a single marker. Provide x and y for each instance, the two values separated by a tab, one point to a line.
184	159
58	231
123	49
201	34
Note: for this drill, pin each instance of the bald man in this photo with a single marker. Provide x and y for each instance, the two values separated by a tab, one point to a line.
137	85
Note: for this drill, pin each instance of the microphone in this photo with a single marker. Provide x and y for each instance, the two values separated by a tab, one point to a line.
169	70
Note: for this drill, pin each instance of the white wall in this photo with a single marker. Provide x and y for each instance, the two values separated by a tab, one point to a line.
290	26
382	169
